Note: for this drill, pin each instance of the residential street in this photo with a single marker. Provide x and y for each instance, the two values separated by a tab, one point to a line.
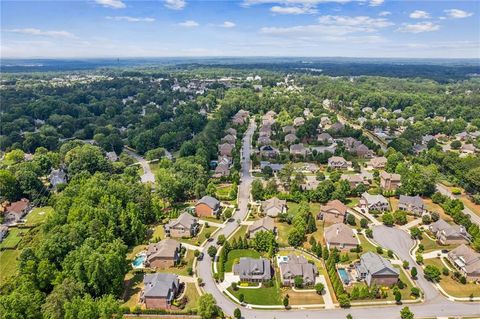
445	191
395	239
147	176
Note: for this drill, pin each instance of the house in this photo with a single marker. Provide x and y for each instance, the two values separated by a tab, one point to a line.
274	166
16	210
298	121
468	149
240	117
324	121
355	179
253	270
325	138
467	261
221	170
412	204
340	236
297	266
289	129
57	177
376	270
112	156
333	211
273	207
3	232
231	131
265	130
269	151
207	206
230	139
337	127
290	138
298	150
182	227
338	162
264	140
389	181
373	202
378	162
447	234
163	255
264	224
225	149
159	290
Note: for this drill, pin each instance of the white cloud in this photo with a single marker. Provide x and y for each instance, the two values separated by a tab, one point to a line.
130	19
457	13
419	27
227	24
116	4
175	4
305	3
331	26
189	24
384	13
419	14
38	32
293	10
375	3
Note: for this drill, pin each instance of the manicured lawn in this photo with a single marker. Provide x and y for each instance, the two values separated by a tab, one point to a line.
14	236
192	296
293	208
181	270
282	231
201	237
38	215
8	263
431	245
223	191
260	296
234	256
241	231
353	201
450	285
133	287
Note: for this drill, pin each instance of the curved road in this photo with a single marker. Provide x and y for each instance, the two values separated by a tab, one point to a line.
398	241
148	175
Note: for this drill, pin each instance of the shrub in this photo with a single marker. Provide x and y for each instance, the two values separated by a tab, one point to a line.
445	271
415	292
379	250
319	287
432	273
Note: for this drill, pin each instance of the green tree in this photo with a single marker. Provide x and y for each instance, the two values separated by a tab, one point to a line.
387	219
319	287
212	251
405	313
432	273
237	313
207	306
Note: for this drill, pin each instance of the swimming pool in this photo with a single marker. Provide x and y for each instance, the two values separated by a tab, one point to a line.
138	261
343	275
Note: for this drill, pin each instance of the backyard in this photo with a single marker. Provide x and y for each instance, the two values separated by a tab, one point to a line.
38	215
234	255
14	237
450	285
8	263
432	245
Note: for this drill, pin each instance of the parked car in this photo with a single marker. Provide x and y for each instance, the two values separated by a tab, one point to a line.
200	257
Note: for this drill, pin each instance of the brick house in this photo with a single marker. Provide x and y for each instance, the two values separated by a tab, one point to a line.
164	254
182	227
333	212
159	290
207	206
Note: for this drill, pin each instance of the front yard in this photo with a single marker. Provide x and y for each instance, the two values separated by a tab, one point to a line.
201	236
432	245
450	285
259	296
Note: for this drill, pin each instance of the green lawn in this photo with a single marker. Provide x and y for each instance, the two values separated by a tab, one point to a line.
201	237
223	191
431	245
8	263
282	231
234	256
241	231
260	296
158	232
450	285
293	208
38	215
14	236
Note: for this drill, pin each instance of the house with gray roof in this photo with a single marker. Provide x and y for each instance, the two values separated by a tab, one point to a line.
207	206
376	270
159	290
447	234
274	166
467	261
164	254
184	226
325	138
263	224
373	202
298	150
269	151
338	162
297	266
3	232
253	270
273	207
340	236
412	204
290	138
57	177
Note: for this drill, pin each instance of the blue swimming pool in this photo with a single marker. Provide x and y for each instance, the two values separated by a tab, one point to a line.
343	275
138	261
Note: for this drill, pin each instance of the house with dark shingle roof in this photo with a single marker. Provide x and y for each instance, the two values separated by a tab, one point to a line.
412	204
184	226
253	270
389	181
376	270
159	290
373	202
447	234
207	206
333	211
264	224
297	266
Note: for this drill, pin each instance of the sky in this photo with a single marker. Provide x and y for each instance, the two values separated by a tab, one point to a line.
175	28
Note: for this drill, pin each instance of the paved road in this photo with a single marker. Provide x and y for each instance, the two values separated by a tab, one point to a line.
147	176
436	304
445	191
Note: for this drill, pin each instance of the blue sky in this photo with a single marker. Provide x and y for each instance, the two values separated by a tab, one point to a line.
320	28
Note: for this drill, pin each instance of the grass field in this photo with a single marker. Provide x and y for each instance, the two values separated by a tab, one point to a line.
201	237
241	231
38	215
8	263
452	286
260	296
293	208
223	191
234	256
302	298
431	245
158	232
14	236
